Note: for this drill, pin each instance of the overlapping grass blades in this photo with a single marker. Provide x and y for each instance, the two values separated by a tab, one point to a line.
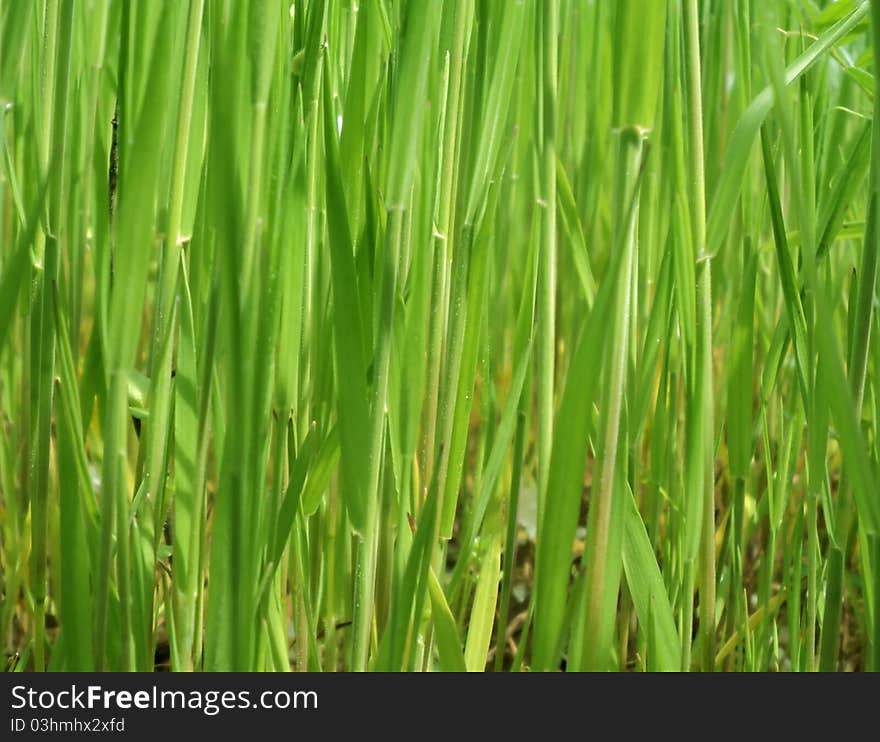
404	335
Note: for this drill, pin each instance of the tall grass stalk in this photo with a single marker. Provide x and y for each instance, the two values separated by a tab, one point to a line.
701	448
546	331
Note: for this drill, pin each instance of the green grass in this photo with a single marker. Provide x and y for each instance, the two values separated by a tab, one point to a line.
439	335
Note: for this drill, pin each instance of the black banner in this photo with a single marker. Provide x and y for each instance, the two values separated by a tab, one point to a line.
135	706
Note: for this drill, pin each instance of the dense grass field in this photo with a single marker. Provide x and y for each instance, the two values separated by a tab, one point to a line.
439	335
